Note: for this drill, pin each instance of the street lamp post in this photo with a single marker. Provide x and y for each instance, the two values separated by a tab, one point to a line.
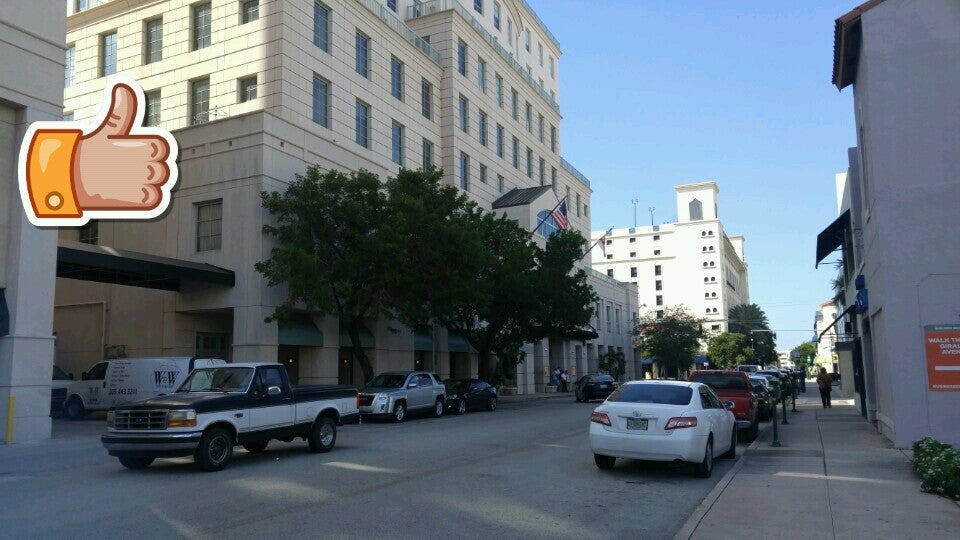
635	202
651	209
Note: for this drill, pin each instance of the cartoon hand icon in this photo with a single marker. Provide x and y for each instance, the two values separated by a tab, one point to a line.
118	170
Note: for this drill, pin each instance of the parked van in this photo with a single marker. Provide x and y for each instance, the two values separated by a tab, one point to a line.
114	382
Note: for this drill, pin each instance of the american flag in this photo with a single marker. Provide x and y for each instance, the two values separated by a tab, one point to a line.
560	215
603	241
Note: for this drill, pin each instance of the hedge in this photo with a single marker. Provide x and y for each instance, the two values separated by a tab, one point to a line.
938	465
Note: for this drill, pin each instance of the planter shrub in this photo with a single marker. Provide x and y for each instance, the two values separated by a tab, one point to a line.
938	465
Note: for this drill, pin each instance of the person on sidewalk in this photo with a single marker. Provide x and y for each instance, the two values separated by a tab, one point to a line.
564	381
825	382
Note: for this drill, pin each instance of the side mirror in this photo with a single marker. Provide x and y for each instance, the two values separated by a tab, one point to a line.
273	391
728	405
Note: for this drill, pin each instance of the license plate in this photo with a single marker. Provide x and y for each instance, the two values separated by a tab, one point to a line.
636	423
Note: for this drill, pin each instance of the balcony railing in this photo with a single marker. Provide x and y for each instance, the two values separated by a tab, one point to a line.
394	22
436	6
573	170
542	24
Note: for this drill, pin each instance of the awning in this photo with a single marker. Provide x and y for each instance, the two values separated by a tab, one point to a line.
584	333
299	330
456	342
366	338
422	339
649	361
119	266
832	237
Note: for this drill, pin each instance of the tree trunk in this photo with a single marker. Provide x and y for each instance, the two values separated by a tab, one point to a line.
486	370
353	328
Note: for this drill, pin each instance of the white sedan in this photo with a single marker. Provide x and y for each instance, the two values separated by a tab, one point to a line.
663	421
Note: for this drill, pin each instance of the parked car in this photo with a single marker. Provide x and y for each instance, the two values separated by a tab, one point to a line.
774	383
393	393
221	406
734	386
663	421
594	386
469	395
58	390
761	389
114	382
749	368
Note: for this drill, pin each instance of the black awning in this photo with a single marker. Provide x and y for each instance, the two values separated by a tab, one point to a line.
584	333
832	237
109	265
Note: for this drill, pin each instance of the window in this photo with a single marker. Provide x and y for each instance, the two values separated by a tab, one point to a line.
363	54
427	155
69	66
609	270
553	71
426	99
483	173
526	41
540	55
499	141
249	11
659	285
396	137
464	171
715	327
656	252
657	270
464	114
89	233
610	257
528	115
396	78
212	345
81	5
659	313
656	237
482	75
578	205
540	126
609	242
201	26
659	299
499	84
482	128
478	6
392	4
530	163
209	223
553	139
199	101
248	89
363	124
108	54
153	41
633	254
151	113
542	171
514	104
461	57
321	26
499	183
633	240
510	31
696	210
516	153
633	271
609	318
321	101
496	15
617	313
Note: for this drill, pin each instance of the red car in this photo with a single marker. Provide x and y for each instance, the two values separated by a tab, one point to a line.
734	386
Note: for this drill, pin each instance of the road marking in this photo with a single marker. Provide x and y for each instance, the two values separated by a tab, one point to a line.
360	467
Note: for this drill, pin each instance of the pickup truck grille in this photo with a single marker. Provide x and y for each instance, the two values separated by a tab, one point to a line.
365	399
140	420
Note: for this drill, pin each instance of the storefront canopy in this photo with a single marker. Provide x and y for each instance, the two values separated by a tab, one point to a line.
457	343
299	330
832	237
422	340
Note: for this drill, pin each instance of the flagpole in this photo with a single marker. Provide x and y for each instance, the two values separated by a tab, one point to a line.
595	243
550	213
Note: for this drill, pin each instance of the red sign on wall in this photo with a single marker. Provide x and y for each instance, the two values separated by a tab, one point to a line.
942	345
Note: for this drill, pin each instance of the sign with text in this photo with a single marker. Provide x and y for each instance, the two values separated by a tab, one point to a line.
942	345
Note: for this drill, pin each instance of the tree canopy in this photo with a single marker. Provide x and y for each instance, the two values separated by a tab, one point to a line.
728	350
672	339
806	350
751	321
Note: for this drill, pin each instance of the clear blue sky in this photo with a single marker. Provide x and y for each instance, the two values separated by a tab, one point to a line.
657	93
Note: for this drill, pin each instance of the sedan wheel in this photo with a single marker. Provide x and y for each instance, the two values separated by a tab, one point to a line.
705	468
399	412
492	404
462	406
438	408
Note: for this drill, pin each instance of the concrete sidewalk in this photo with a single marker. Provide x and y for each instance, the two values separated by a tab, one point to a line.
537	396
834	477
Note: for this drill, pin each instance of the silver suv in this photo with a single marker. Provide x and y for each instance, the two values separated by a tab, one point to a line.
393	393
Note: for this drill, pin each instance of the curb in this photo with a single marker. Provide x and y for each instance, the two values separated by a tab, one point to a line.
520	399
690	526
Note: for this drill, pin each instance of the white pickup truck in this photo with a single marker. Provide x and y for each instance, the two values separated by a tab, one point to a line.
219	407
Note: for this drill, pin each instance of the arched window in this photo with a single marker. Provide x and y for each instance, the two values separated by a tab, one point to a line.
696	210
547	225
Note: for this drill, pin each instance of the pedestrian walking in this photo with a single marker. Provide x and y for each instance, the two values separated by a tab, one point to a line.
565	381
825	382
555	377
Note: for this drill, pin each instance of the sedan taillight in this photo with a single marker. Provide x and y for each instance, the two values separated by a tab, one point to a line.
600	418
680	422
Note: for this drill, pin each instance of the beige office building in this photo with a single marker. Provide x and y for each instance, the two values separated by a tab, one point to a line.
254	91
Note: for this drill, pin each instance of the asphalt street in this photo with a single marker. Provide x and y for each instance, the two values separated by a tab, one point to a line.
524	471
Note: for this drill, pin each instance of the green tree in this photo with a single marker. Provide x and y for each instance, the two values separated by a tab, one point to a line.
613	363
672	339
728	350
745	319
328	249
806	350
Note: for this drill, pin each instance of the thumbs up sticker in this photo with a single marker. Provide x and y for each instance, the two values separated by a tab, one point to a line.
72	172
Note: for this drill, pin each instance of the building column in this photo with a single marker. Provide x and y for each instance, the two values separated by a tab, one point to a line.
253	339
541	364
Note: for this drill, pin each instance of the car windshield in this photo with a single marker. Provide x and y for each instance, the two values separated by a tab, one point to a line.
652	393
388	380
719	381
218	379
603	378
455	385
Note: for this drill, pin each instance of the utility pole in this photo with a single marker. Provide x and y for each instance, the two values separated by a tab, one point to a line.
635	201
651	209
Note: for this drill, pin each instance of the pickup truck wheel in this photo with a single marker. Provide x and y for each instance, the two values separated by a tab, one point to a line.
438	408
255	447
462	406
705	468
135	462
399	411
74	409
492	404
215	450
323	435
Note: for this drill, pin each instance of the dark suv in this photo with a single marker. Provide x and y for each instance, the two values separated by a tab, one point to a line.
594	386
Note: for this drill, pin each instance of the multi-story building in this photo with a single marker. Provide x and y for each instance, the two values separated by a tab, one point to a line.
692	263
256	90
31	41
896	229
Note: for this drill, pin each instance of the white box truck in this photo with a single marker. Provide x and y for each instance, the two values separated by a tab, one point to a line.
115	382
